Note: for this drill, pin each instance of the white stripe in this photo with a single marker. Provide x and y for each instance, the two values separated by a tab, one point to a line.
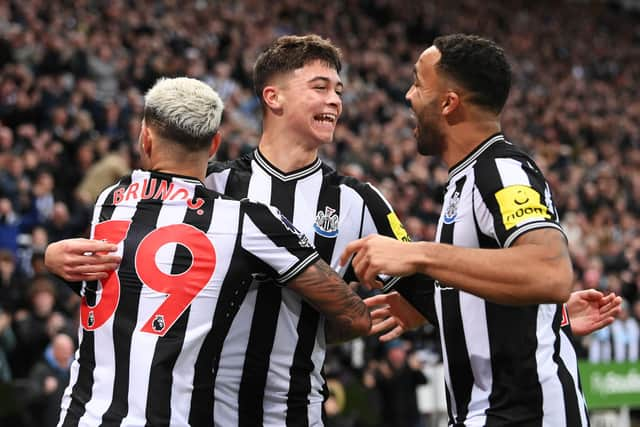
348	226
445	358
511	172
217	181
552	396
259	185
568	355
476	335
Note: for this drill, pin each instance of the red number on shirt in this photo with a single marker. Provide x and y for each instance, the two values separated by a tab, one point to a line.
181	288
92	317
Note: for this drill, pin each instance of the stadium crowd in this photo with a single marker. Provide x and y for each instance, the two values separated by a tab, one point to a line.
72	78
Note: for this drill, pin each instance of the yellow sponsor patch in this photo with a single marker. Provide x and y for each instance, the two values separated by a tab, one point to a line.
520	203
397	227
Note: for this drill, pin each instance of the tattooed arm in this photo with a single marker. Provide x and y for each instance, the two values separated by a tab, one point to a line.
347	315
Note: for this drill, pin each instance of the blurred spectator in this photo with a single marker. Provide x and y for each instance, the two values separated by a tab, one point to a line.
104	173
12	282
7	343
34	327
73	74
625	333
48	379
396	378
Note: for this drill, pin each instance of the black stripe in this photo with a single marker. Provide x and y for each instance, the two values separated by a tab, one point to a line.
169	346
81	392
453	331
302	367
516	393
142	223
571	404
263	327
256	363
238	182
232	292
82	389
488	182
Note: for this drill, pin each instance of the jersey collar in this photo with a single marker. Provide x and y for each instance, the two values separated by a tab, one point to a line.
471	157
285	176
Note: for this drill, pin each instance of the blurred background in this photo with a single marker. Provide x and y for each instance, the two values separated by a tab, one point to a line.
72	79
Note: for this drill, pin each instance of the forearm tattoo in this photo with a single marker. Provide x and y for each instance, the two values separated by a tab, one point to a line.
329	294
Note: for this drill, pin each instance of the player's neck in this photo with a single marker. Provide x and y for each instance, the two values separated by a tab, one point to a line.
286	154
464	137
191	167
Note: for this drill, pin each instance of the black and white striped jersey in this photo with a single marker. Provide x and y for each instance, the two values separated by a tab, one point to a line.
504	365
281	372
152	333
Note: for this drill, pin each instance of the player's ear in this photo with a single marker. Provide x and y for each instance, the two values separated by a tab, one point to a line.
450	103
146	140
272	98
215	144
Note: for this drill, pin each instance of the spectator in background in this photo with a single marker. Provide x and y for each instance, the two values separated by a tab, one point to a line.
104	173
7	343
12	282
36	325
48	379
396	378
625	334
9	226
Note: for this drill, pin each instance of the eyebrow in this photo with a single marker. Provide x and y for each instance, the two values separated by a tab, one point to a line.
326	80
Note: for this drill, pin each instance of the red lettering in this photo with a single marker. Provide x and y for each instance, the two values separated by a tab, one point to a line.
118	196
181	288
148	189
132	191
195	205
183	193
163	191
94	316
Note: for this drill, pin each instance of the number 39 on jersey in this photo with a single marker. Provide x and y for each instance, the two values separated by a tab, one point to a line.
180	289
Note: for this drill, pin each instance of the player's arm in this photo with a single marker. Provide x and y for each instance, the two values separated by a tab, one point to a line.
536	268
81	259
346	314
294	263
412	303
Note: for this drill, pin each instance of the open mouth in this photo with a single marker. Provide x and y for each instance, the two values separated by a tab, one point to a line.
326	118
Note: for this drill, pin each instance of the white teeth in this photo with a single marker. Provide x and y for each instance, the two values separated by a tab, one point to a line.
327	117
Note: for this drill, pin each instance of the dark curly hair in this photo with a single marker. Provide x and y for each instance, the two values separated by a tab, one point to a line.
478	65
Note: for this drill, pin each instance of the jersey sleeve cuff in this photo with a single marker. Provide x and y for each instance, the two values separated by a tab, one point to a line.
532	226
298	268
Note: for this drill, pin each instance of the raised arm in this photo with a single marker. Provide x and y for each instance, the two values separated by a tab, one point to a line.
347	315
81	259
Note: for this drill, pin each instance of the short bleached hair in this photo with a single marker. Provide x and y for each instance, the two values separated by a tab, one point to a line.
184	111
